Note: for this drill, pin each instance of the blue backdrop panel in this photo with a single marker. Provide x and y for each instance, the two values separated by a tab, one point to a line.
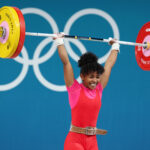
34	108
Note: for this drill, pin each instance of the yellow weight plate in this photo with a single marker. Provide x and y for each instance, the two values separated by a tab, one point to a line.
9	17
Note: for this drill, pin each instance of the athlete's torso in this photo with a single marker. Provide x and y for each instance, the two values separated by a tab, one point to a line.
85	105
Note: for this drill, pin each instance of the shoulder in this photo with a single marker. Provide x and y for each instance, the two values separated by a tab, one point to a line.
74	87
99	87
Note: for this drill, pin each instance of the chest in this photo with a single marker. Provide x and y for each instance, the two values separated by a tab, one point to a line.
88	103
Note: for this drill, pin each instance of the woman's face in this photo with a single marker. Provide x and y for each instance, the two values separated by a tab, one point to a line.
90	80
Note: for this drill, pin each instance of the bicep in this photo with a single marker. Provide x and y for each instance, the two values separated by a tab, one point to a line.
68	74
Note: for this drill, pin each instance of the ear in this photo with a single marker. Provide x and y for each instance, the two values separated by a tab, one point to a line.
82	76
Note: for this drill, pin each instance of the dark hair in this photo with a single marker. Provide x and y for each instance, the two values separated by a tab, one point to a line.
88	63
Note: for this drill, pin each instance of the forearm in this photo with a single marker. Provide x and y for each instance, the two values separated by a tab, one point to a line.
111	59
63	54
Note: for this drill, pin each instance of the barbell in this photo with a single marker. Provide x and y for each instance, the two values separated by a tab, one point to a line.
12	36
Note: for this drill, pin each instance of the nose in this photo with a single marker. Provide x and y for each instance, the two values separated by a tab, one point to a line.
94	80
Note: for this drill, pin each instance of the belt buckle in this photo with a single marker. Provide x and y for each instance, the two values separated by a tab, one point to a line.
90	131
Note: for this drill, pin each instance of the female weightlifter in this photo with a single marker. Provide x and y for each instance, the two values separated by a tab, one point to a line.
85	98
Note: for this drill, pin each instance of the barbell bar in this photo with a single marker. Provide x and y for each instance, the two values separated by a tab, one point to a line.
81	38
87	38
12	36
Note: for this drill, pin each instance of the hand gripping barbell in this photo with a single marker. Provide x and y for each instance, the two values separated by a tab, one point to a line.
12	36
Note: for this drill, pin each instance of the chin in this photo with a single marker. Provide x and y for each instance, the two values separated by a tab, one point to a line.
92	88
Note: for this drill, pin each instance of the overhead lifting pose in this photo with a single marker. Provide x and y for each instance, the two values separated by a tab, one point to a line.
12	39
85	98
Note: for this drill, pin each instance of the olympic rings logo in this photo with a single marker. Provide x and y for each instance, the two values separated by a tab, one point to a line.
26	62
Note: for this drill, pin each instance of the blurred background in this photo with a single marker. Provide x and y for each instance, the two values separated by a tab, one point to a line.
34	107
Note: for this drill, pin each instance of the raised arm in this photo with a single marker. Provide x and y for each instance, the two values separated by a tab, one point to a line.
109	63
68	71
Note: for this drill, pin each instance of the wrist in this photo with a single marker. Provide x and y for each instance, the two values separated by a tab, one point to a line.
59	41
115	46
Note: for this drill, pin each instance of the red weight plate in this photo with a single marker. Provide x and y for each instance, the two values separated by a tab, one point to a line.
143	55
22	32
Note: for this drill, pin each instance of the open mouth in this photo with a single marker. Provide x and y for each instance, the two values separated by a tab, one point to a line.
93	85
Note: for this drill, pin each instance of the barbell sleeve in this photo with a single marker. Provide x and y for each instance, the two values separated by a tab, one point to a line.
40	34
